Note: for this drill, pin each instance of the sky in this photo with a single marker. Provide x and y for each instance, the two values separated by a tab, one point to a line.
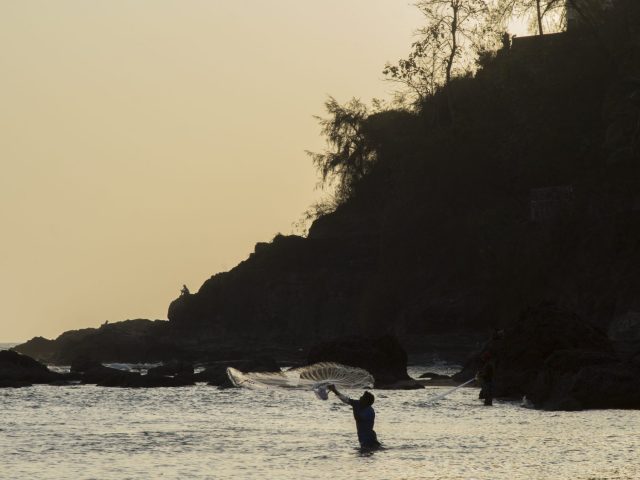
147	144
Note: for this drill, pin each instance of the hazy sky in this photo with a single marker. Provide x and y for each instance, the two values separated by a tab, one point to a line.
149	143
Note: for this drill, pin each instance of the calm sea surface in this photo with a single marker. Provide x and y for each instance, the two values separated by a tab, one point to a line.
86	432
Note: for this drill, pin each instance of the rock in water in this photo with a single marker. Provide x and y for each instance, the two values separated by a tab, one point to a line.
18	370
560	362
577	379
382	357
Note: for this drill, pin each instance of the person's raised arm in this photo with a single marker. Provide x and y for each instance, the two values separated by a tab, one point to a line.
343	398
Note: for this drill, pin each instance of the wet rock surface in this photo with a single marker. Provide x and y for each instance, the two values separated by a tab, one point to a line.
92	372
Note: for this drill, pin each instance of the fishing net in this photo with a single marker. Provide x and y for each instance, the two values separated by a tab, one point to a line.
316	377
442	395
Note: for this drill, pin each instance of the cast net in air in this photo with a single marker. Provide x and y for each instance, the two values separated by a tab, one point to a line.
316	377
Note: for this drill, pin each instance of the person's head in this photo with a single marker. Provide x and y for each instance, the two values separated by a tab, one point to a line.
367	398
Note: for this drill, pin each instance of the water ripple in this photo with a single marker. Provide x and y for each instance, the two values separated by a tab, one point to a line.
86	432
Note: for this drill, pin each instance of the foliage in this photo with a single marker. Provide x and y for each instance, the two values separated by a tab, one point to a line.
448	206
539	10
454	32
317	210
348	156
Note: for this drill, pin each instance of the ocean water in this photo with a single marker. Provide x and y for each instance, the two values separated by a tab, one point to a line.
202	432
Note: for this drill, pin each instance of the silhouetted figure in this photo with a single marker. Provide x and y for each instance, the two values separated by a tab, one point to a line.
506	41
364	415
185	290
485	377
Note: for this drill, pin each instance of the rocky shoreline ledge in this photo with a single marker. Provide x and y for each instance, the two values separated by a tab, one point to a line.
383	357
550	356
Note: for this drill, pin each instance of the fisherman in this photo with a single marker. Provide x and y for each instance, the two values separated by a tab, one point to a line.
485	377
364	415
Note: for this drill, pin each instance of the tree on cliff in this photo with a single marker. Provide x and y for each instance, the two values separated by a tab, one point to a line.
348	156
455	31
588	13
538	9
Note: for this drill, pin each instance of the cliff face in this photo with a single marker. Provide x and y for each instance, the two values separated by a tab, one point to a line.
528	197
289	291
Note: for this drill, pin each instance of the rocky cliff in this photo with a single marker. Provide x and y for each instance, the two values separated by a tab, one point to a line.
522	190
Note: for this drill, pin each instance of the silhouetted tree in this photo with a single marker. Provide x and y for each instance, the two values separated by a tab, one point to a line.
348	156
539	9
455	31
420	71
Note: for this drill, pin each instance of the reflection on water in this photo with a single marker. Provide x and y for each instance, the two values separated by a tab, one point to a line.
82	432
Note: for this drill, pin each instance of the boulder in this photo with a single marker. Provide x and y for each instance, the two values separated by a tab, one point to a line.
18	370
129	341
382	357
577	380
91	371
105	376
559	362
520	351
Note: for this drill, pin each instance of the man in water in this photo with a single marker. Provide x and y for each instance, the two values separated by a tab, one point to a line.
364	415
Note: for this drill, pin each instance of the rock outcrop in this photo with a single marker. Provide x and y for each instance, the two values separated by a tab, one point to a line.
18	370
128	341
91	372
577	380
291	291
382	357
559	362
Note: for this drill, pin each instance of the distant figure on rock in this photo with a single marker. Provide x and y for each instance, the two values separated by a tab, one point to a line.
364	415
485	377
506	41
185	290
